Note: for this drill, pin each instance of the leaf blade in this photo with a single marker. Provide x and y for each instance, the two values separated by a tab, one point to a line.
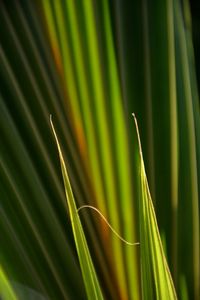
92	286
154	266
6	290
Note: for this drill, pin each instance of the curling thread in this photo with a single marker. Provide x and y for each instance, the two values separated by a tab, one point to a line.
108	224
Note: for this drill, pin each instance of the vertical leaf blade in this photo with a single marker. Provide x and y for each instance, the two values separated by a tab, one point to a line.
92	286
155	271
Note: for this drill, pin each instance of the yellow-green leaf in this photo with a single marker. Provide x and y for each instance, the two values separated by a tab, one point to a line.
6	291
156	278
92	286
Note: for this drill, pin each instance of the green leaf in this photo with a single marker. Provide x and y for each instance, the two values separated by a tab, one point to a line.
156	278
89	275
6	291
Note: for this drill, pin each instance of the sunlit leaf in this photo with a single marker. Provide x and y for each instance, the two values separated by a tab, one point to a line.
89	274
6	291
156	278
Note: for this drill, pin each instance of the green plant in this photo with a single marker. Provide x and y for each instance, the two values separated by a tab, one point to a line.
91	64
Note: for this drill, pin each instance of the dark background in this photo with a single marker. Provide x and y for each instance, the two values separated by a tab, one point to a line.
195	11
